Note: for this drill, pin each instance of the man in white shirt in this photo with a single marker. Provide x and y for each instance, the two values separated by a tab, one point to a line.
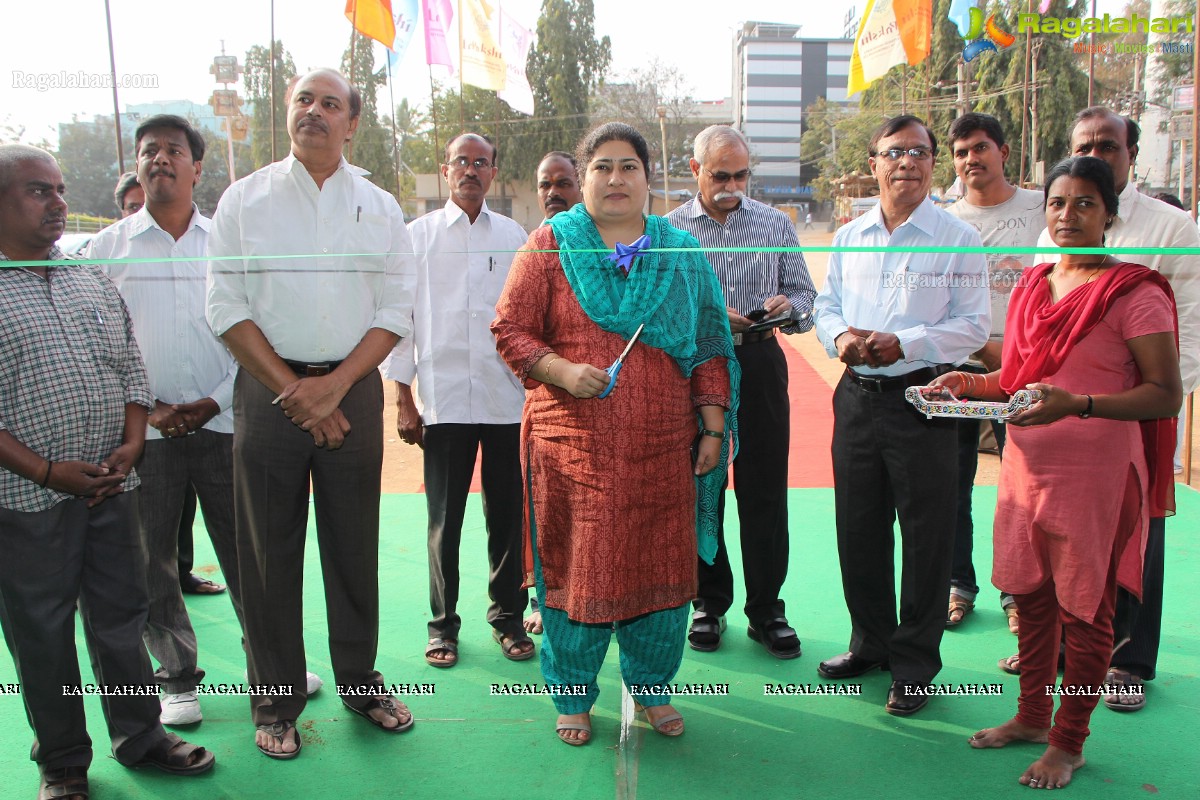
1142	221
189	437
897	319
309	334
468	397
1004	215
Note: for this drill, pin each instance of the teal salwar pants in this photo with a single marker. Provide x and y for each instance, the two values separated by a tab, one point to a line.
573	652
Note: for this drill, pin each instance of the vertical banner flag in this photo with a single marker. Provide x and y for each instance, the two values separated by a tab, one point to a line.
515	41
372	18
892	32
404	16
439	16
482	61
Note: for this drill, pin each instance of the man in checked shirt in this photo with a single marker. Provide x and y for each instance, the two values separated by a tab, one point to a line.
73	406
754	282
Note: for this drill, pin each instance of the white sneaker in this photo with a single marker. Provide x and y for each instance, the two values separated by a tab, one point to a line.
312	682
180	709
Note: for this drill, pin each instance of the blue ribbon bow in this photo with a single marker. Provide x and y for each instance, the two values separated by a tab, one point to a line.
626	253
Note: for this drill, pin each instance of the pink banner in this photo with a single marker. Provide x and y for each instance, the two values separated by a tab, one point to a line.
439	16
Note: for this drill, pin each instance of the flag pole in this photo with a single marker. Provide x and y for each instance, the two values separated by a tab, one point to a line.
112	64
437	146
350	77
395	137
271	81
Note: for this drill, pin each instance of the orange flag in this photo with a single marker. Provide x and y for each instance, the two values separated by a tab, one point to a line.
892	32
373	18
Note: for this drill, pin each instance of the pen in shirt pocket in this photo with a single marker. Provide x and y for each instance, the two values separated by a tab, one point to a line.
99	319
491	263
358	216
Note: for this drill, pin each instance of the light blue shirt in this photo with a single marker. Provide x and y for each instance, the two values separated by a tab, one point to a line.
937	304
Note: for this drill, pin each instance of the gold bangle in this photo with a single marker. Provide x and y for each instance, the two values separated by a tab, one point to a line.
550	363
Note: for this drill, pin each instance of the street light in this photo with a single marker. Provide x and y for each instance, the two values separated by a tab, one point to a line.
662	130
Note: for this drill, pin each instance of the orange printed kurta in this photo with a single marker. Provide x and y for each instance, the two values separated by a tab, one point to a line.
609	481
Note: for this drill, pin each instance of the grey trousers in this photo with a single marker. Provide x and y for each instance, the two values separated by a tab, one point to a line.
51	560
273	463
169	468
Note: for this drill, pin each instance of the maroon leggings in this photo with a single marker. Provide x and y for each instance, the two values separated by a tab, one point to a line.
1044	624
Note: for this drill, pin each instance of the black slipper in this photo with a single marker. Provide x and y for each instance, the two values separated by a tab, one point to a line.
777	637
59	782
389	704
174	755
705	633
277	731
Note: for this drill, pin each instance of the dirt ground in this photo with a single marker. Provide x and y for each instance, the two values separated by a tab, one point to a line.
402	463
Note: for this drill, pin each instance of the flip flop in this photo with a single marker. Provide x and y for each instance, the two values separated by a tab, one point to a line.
174	755
1011	664
960	605
389	704
1120	677
509	643
277	731
194	584
438	644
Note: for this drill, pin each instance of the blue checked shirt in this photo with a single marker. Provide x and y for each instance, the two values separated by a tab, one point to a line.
749	279
68	366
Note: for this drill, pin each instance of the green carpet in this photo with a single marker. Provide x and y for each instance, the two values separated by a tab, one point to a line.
469	743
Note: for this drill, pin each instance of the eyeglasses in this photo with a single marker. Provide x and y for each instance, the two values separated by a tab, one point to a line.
725	177
462	162
915	153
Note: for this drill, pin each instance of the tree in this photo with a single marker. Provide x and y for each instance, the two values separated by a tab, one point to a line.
1117	74
256	79
1173	69
564	68
1059	91
635	97
835	141
214	175
87	155
371	147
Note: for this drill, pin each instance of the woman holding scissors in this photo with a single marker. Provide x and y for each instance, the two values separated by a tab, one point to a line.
615	503
1085	467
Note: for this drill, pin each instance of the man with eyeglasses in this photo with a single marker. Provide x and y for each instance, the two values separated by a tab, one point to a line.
897	319
467	397
757	285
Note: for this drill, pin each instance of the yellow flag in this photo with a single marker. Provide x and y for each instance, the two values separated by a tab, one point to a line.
482	58
891	32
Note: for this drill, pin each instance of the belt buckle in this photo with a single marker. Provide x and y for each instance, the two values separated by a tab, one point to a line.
871	383
737	339
315	370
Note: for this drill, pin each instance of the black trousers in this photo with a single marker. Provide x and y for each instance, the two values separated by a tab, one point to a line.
1142	622
273	463
760	475
888	462
51	559
187	520
962	572
450	452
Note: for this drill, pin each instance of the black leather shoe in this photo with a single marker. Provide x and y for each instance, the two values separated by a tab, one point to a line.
848	665
906	697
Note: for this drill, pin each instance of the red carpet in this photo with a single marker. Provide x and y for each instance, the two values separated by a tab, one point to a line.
810	464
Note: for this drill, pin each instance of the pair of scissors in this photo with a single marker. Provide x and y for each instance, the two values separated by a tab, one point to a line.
615	369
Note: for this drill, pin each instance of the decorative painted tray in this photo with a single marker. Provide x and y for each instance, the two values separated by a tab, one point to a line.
951	406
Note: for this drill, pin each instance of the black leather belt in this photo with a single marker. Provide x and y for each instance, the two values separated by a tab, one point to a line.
752	338
306	370
891	383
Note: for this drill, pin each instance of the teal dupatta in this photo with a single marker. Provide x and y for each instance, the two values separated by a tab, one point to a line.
676	295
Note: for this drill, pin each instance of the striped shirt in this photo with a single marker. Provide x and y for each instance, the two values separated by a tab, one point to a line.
749	279
68	366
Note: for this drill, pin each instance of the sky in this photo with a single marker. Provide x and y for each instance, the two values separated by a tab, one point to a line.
174	46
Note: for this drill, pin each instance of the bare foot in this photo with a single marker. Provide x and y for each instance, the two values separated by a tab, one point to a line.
533	623
575	736
1011	731
1053	770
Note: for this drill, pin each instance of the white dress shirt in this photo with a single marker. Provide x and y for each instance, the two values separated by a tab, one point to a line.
356	273
937	304
1143	221
452	353
184	359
